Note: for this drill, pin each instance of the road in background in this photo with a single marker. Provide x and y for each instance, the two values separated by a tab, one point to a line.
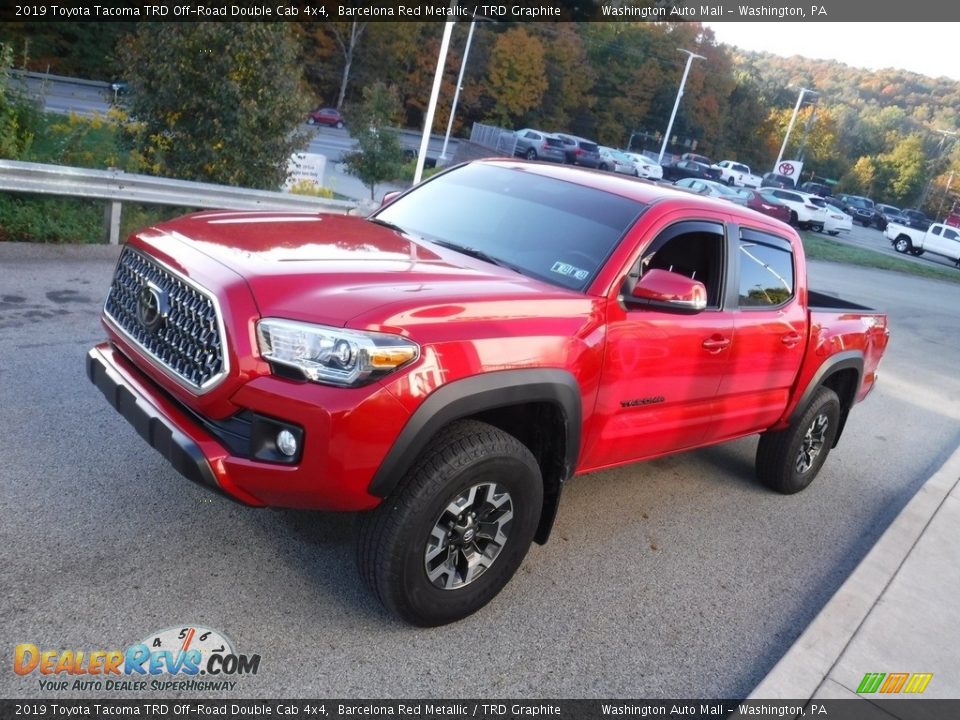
90	99
681	577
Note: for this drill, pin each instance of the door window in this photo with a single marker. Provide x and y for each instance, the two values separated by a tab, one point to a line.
766	270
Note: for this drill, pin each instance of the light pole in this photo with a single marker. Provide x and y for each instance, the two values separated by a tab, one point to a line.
793	119
673	115
456	95
432	105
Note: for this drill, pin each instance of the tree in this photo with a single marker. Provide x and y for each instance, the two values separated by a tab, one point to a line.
348	37
903	170
379	155
18	115
517	76
220	103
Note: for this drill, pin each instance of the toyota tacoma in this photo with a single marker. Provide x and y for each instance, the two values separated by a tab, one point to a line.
445	365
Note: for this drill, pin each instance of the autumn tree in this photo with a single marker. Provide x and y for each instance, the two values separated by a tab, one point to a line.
379	154
903	170
570	79
220	103
861	178
516	76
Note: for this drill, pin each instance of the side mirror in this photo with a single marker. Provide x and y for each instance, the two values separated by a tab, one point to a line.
390	197
664	290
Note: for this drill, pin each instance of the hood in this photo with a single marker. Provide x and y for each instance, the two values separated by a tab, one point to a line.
332	268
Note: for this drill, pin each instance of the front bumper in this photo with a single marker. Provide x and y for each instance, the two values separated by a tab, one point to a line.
149	421
344	436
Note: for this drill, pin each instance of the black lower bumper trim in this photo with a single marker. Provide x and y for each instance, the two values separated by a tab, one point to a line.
182	452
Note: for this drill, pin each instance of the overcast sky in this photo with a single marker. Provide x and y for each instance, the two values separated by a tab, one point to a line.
926	48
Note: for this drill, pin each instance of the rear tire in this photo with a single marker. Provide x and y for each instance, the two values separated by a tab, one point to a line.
456	528
902	244
794	220
531	154
311	121
788	460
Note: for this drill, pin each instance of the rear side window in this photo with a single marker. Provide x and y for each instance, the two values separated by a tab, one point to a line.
766	270
950	234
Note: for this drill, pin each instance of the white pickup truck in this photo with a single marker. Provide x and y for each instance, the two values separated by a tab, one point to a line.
938	239
734	173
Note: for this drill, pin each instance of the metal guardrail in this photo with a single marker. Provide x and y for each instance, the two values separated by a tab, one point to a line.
118	187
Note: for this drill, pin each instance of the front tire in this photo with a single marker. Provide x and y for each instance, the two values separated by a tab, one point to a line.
788	460
456	528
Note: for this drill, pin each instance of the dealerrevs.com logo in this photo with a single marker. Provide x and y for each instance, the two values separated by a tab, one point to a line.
189	658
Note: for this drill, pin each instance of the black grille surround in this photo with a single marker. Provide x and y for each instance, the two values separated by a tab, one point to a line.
188	341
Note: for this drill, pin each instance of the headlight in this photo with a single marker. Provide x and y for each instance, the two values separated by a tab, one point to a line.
334	356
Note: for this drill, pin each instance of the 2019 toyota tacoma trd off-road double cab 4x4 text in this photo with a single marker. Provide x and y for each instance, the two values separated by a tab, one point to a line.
445	365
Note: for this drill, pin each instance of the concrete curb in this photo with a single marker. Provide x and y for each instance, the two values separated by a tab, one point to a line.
808	663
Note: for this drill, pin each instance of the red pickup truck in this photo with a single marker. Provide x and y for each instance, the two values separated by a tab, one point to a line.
446	364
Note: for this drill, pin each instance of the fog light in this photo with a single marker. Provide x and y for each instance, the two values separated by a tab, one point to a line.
286	443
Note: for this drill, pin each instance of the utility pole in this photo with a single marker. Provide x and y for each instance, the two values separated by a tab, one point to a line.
676	104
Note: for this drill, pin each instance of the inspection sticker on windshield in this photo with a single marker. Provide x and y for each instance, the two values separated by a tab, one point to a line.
562	268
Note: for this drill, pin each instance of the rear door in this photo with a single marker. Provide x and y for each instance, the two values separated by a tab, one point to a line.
770	333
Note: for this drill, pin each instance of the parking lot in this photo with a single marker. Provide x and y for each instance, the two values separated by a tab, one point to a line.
681	577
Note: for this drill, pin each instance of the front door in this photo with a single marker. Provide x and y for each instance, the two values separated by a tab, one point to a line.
661	369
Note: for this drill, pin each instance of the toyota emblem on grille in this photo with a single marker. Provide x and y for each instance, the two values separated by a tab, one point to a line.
153	307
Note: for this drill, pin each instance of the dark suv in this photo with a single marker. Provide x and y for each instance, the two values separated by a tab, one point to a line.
776	180
916	219
815	188
580	151
862	209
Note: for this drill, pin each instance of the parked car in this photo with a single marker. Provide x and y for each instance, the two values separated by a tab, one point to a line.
538	145
916	219
890	214
646	167
953	219
580	151
816	188
938	239
687	168
763	202
713	188
702	159
861	209
776	180
478	341
325	116
804	213
837	221
617	161
734	173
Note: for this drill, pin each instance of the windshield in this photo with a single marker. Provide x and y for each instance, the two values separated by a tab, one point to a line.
549	229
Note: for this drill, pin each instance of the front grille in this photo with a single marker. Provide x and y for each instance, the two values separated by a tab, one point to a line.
175	322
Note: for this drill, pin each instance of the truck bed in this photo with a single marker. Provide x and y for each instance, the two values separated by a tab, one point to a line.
824	301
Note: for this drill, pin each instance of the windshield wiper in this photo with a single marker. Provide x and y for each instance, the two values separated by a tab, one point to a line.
475	253
388	224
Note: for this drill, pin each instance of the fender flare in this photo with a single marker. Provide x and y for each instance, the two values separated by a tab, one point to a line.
849	360
469	396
